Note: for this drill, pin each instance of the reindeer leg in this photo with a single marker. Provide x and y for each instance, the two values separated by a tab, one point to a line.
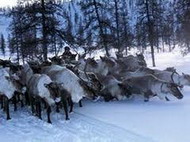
21	99
45	105
7	109
36	107
17	96
15	102
146	97
66	109
32	104
48	114
160	97
57	107
2	102
167	99
80	103
71	104
40	109
27	99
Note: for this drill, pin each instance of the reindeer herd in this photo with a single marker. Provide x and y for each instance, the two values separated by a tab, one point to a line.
55	85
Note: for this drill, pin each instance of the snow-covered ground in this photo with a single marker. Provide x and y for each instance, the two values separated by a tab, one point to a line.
23	127
124	121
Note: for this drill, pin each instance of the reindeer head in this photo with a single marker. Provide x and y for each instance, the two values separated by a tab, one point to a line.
5	63
172	88
46	63
35	66
107	95
140	56
125	89
91	93
185	79
171	69
141	59
53	89
109	61
73	68
56	60
15	67
92	62
96	84
73	56
16	82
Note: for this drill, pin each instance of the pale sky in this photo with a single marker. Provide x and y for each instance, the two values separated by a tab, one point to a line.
4	3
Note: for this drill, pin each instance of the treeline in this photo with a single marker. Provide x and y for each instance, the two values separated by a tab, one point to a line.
43	26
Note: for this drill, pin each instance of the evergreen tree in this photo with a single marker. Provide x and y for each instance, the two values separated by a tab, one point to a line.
183	17
96	19
34	24
149	14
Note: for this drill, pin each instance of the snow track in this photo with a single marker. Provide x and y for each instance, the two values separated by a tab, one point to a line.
23	127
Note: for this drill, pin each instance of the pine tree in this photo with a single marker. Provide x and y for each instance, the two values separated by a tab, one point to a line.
183	16
149	13
33	27
95	12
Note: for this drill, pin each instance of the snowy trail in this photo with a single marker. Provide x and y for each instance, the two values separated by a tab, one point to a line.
23	127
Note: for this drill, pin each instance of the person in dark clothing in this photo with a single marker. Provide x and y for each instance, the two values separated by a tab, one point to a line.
67	56
66	53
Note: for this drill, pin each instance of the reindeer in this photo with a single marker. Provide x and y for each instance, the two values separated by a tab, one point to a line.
77	87
37	91
174	77
113	88
8	88
151	86
132	63
58	91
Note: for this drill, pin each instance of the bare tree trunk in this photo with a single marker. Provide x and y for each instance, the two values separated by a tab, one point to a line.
17	50
102	36
151	34
44	33
163	45
117	25
188	46
170	49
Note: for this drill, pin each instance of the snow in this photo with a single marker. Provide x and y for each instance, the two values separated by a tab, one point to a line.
125	121
10	3
24	127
